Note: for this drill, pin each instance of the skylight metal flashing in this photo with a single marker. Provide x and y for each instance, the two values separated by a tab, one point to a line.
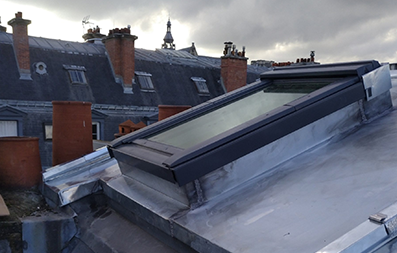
339	85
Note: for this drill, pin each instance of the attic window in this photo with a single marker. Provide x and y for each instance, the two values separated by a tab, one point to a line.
200	85
76	74
144	80
48	131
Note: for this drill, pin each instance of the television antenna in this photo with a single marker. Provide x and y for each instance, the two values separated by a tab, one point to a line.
86	21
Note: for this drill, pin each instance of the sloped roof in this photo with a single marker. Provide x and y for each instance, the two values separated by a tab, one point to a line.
170	70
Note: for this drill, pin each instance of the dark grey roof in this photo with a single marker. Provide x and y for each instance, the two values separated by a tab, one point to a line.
171	74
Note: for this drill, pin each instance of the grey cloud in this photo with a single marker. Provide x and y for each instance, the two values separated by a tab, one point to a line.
335	29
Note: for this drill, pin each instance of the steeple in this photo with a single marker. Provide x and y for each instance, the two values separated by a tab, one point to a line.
168	40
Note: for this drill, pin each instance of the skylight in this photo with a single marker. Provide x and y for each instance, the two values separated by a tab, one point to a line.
200	85
144	80
76	74
209	136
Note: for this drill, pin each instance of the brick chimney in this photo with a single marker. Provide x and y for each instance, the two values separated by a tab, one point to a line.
121	49
71	130
166	111
21	44
94	35
233	67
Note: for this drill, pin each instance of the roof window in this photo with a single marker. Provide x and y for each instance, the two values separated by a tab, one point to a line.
76	74
144	80
200	85
194	143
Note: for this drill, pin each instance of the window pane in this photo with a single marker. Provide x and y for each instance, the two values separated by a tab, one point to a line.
202	87
223	119
204	127
77	76
145	82
200	84
48	132
95	131
8	128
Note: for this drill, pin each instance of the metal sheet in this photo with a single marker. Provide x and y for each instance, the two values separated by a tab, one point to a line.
79	178
377	82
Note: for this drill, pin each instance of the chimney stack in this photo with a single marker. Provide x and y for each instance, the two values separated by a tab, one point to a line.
71	130
93	35
166	111
233	67
21	44
2	28
121	49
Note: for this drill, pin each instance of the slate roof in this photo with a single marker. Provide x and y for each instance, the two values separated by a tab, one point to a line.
171	74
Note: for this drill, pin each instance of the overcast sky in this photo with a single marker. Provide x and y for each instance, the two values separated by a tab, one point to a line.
279	30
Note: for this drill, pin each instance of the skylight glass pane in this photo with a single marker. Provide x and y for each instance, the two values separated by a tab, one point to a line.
145	82
201	87
200	84
77	76
225	118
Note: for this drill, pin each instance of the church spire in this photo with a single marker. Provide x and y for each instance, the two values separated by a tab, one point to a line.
168	40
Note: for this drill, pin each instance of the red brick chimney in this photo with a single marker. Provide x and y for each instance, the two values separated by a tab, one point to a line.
121	49
166	111
233	67
71	130
21	44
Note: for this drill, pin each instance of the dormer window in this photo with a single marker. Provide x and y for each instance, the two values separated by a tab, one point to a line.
76	74
201	85
144	80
